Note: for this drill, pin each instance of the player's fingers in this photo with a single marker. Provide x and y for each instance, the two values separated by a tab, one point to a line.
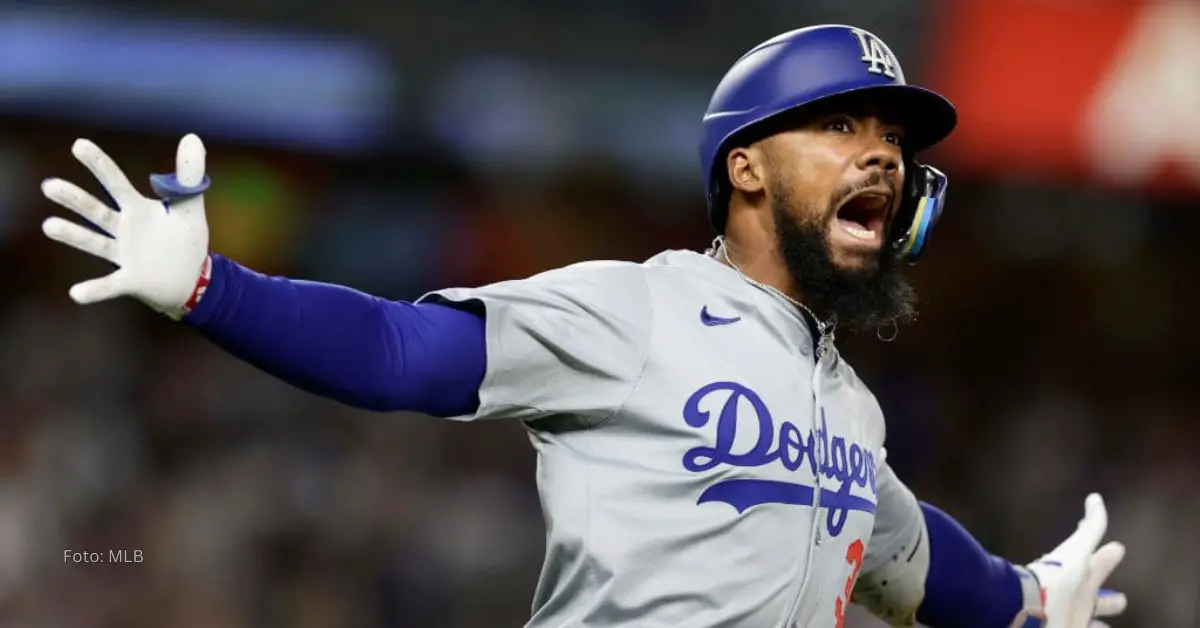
1093	525
1110	604
106	172
1100	567
101	289
190	160
183	190
1104	561
80	238
74	198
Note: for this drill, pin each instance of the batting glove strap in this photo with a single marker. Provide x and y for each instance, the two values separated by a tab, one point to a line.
1033	596
169	188
198	291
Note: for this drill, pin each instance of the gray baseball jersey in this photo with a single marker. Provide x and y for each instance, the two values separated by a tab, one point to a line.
698	465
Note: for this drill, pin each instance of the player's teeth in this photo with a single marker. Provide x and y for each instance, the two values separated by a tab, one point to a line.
864	234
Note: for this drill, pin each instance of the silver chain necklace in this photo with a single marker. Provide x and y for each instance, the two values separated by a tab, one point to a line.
825	329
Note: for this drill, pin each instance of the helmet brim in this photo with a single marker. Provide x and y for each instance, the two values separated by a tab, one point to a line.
927	116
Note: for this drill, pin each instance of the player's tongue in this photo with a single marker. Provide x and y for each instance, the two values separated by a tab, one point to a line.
862	216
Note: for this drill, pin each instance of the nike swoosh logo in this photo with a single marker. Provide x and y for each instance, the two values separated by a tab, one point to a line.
713	321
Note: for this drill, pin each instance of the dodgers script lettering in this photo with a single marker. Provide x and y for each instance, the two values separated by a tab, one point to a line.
827	456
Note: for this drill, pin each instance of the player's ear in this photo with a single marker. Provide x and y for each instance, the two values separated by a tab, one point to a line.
747	169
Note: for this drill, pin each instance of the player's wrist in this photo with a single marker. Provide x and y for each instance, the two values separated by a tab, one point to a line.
1033	600
199	288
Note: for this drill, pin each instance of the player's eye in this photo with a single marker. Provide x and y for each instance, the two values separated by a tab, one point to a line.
840	125
893	137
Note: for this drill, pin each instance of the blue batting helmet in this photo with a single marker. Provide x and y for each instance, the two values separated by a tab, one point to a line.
807	65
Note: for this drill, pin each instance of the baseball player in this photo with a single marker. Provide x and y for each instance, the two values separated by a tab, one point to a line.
705	456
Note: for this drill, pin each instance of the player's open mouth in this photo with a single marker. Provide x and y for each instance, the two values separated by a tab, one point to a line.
863	215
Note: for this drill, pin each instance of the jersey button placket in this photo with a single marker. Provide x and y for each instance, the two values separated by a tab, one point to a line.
818	459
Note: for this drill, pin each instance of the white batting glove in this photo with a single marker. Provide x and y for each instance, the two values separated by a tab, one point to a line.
1064	590
159	245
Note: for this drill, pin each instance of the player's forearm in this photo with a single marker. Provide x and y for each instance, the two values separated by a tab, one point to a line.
966	586
339	343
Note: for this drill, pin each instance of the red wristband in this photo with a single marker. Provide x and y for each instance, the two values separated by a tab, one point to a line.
201	284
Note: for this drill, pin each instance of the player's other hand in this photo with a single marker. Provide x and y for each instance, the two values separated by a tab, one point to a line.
1072	574
159	245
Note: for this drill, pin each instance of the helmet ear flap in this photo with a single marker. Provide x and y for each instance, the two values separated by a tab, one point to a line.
924	198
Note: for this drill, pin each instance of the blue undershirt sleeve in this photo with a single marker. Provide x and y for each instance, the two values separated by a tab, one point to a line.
352	347
966	587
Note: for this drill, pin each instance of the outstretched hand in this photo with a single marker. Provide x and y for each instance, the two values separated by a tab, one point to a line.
159	245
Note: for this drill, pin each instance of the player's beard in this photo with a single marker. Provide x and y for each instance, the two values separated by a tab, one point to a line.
873	296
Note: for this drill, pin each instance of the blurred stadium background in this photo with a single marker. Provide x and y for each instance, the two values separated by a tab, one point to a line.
399	147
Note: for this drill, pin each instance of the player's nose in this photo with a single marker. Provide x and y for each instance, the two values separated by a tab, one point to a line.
880	155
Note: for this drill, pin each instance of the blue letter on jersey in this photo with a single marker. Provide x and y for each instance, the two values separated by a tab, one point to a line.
848	464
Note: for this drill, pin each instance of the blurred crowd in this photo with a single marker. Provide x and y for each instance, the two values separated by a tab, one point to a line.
1052	358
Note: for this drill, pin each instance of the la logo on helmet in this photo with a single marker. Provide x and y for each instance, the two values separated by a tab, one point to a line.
876	53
